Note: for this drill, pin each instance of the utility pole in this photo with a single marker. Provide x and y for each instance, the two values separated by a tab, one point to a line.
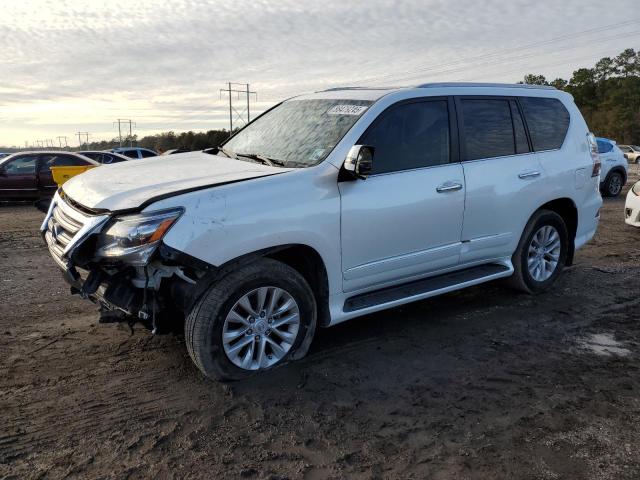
60	138
83	134
236	88
132	124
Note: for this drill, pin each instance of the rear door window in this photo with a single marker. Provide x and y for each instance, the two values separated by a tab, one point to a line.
147	154
487	128
410	135
130	153
548	122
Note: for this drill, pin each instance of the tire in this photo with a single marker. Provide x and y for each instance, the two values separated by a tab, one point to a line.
218	308
612	185
522	278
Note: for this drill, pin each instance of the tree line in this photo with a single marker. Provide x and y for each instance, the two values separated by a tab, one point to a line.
608	95
164	141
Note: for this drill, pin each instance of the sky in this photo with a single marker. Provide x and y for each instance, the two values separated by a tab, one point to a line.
71	65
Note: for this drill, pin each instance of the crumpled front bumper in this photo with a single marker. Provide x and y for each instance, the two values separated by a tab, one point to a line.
64	229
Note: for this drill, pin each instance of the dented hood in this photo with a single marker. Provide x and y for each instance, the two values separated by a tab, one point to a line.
132	184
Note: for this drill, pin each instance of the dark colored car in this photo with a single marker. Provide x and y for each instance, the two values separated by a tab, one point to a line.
27	175
105	158
135	152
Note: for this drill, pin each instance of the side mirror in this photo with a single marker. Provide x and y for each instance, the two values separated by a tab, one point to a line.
359	161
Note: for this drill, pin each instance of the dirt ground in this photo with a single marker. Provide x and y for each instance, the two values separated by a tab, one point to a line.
479	384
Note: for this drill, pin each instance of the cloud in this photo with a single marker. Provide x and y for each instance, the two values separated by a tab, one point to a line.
153	59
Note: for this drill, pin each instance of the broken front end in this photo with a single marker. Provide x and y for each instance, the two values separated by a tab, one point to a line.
119	262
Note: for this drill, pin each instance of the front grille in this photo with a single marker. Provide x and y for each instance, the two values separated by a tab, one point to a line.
64	224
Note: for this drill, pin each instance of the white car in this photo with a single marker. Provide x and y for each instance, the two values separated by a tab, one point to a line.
631	153
632	206
613	175
331	206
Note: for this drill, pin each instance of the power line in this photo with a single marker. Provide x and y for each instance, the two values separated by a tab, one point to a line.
122	121
232	110
516	49
531	67
516	57
60	138
80	135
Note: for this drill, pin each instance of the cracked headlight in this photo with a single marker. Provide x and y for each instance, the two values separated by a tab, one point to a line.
132	239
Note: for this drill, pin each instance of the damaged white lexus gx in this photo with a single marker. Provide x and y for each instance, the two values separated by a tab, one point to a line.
331	206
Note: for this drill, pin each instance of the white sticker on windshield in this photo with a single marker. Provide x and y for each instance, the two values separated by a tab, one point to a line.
346	110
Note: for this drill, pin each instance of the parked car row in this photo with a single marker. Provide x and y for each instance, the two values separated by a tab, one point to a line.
27	175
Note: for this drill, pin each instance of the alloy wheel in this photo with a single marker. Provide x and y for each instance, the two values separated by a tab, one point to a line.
615	185
261	328
544	253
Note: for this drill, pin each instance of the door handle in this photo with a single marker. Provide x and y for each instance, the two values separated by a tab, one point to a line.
449	187
531	174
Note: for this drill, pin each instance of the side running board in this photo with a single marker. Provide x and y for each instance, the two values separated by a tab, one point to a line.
427	287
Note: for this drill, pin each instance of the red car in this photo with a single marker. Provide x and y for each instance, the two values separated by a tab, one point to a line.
27	175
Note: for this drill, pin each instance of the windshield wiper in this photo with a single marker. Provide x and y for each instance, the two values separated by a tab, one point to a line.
262	159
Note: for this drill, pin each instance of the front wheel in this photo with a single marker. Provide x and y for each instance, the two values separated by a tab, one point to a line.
612	185
541	253
253	319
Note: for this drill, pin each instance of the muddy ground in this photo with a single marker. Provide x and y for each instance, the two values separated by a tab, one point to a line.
479	384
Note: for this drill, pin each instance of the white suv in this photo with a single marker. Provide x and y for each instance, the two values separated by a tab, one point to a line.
613	175
331	206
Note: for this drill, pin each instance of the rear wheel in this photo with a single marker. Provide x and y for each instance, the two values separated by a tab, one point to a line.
541	253
251	320
612	185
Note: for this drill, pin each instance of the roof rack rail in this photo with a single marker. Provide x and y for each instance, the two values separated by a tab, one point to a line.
496	85
335	89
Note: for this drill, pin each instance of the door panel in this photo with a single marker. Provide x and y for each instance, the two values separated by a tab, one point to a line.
498	204
397	226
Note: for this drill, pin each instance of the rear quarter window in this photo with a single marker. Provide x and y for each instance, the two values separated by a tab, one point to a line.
548	122
604	147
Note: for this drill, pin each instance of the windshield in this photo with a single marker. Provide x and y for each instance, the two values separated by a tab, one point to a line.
636	148
298	133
